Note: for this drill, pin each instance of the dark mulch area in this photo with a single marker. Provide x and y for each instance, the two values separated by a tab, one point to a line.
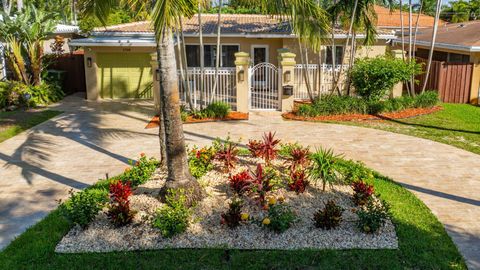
408	113
232	116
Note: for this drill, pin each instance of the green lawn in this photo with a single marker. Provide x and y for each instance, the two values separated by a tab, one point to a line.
12	123
423	244
456	124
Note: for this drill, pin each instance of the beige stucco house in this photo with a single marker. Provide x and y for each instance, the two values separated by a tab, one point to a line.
119	59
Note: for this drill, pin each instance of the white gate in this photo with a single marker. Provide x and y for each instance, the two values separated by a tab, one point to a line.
263	82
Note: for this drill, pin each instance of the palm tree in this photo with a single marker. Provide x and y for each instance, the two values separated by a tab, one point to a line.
432	44
166	15
217	60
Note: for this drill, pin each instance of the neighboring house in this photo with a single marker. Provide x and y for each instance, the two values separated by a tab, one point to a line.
119	64
67	32
391	19
457	54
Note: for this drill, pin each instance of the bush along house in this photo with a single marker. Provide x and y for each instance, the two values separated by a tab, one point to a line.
260	64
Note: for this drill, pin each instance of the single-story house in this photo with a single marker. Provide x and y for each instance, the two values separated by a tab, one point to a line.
391	19
457	48
118	59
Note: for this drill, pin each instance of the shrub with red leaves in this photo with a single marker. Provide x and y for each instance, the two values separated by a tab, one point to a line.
228	155
119	207
298	158
260	183
241	182
298	183
266	149
362	192
254	147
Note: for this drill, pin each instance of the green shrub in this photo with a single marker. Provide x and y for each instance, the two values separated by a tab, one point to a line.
200	160
373	216
374	78
427	99
82	207
173	218
353	171
287	148
18	94
217	110
323	166
140	172
280	217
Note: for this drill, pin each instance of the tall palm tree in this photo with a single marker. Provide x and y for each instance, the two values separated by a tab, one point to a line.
219	50
432	44
200	5
166	15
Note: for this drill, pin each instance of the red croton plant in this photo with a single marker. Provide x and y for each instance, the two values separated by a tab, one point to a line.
119	210
251	182
228	155
265	149
362	192
298	181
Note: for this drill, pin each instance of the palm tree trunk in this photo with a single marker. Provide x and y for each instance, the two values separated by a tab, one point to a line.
319	75
402	31
306	78
350	29
217	60
202	56
432	45
410	42
183	65
161	127
415	41
351	60
179	176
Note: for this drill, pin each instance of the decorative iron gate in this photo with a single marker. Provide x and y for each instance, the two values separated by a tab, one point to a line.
264	87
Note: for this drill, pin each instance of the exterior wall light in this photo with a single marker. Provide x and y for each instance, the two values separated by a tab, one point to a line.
157	75
287	76
241	75
89	62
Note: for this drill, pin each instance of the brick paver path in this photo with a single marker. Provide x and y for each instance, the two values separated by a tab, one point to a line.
76	148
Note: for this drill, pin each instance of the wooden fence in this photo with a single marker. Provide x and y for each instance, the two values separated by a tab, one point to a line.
75	72
451	80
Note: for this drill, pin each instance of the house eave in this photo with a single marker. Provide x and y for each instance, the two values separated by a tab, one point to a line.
447	46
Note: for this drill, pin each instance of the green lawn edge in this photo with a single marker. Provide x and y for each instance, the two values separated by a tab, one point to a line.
31	122
423	244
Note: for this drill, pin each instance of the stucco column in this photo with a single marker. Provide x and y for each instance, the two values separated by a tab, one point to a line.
242	61
156	83
90	62
397	90
286	62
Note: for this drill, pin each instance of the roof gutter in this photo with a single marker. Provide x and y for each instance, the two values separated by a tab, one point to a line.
446	46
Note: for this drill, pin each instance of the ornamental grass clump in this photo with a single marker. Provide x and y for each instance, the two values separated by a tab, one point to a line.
174	217
323	167
373	216
329	217
82	207
119	211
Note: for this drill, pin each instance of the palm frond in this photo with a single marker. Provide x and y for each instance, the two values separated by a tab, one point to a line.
167	13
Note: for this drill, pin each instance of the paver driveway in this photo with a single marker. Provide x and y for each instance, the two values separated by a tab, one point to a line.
91	139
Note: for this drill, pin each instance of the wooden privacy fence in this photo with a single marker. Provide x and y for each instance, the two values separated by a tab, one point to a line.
452	80
75	72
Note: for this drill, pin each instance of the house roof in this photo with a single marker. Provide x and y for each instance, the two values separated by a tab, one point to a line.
456	36
391	18
234	24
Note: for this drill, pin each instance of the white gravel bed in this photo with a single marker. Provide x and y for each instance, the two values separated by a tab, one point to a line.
207	232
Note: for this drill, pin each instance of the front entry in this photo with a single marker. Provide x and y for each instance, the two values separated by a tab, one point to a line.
264	87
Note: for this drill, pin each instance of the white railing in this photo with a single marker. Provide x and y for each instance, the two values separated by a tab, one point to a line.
225	91
320	83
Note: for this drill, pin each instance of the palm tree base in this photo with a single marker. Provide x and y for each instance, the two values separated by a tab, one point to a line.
192	190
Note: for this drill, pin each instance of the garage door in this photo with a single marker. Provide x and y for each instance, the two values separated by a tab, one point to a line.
124	75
